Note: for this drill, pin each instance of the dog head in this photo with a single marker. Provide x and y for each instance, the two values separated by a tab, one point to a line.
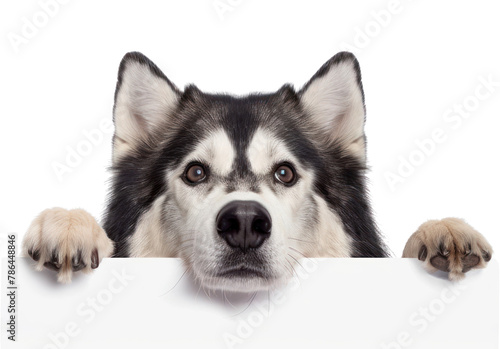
240	188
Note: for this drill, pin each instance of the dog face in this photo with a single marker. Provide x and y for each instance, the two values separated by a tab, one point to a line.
240	188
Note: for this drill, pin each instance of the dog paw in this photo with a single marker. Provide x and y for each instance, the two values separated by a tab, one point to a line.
66	241
450	245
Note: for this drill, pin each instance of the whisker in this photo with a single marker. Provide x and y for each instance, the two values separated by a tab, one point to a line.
293	269
288	269
268	303
206	294
198	292
295	259
248	305
184	245
296	275
294	249
309	242
182	249
185	271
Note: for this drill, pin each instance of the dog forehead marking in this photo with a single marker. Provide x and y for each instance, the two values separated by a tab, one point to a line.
217	151
265	150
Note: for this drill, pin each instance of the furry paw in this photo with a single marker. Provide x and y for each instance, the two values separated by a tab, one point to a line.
449	245
66	241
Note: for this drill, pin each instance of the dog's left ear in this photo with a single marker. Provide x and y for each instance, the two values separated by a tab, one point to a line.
334	102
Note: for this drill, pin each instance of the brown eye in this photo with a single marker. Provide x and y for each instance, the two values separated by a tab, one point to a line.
285	174
195	173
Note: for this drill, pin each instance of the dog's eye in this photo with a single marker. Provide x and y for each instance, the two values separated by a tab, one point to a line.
195	173
285	174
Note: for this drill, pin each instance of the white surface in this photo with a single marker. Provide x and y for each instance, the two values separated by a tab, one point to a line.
332	303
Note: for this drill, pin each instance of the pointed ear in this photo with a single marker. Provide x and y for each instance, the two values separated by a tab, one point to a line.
334	102
144	99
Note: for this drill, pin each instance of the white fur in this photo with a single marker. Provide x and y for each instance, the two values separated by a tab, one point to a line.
265	151
192	213
335	103
332	240
142	105
67	232
215	150
150	238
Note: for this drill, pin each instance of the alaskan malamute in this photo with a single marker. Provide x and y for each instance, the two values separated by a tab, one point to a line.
240	188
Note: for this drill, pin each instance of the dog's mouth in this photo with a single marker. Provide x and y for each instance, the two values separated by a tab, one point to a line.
241	277
242	272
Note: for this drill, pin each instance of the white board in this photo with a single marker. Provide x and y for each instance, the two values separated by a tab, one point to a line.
331	303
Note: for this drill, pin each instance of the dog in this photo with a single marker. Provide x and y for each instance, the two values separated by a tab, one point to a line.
239	188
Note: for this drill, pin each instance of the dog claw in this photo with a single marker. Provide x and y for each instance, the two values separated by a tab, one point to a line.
53	263
34	254
486	256
51	266
77	262
422	254
443	251
95	259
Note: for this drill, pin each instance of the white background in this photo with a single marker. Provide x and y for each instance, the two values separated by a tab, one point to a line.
423	59
426	60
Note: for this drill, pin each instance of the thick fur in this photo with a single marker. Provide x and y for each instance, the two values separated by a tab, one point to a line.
449	245
319	131
67	241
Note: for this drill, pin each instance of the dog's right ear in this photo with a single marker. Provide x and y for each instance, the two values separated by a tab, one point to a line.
334	102
144	99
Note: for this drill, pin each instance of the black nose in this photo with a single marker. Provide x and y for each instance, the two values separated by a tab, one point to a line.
244	224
